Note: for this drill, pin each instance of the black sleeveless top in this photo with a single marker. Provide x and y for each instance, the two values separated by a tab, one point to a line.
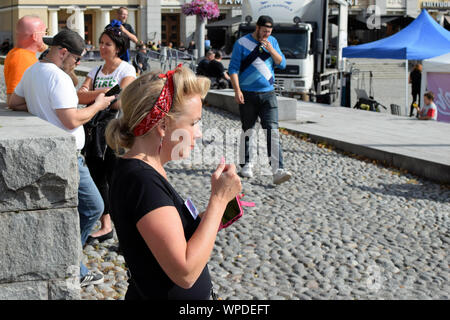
136	189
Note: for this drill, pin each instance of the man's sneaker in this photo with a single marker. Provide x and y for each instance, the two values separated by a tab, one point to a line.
91	278
281	176
247	171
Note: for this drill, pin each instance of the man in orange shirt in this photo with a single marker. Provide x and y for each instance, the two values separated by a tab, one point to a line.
29	33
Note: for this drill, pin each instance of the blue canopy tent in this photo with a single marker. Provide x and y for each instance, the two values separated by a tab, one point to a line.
422	39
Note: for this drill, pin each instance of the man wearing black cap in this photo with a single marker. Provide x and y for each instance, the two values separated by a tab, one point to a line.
48	92
252	75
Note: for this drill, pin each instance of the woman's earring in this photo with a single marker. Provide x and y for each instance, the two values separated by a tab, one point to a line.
160	144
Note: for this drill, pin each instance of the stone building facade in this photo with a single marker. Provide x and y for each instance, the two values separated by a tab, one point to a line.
163	20
371	20
152	19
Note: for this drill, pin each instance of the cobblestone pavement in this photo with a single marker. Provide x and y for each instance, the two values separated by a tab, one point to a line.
341	228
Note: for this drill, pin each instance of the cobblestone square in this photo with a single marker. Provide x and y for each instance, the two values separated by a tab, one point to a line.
341	228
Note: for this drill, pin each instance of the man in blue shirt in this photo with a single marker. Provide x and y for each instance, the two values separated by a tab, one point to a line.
252	75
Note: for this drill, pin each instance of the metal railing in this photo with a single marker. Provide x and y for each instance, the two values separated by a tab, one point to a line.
174	57
167	58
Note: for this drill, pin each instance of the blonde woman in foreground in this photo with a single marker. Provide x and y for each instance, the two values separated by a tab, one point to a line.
165	242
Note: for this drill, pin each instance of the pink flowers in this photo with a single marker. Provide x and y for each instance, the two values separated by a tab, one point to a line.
204	8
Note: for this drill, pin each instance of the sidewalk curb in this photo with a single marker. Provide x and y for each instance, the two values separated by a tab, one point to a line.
427	169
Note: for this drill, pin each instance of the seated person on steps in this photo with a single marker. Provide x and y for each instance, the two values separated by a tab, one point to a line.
216	72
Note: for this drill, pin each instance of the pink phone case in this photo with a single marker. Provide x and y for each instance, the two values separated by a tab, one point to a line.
241	204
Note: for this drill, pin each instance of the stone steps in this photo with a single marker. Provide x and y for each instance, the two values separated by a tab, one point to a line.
381	68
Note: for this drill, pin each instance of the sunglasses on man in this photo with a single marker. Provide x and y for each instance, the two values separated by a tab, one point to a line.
77	58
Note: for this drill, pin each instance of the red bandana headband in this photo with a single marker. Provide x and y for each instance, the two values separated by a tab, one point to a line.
162	106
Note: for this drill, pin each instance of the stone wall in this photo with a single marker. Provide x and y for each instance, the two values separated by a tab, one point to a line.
40	247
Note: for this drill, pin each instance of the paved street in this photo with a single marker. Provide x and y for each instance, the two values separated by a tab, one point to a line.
340	229
421	147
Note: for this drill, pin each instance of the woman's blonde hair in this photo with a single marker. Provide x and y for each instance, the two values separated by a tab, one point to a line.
138	98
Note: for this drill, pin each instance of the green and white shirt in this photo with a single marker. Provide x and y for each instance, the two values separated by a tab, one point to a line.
110	80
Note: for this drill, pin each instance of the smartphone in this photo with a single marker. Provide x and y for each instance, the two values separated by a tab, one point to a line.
233	211
113	91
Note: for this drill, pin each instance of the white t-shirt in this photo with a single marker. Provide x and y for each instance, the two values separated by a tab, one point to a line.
429	110
47	88
110	80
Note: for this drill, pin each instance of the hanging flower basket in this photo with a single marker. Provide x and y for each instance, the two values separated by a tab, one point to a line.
201	8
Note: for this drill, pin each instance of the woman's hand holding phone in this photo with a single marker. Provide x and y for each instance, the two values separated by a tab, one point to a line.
225	182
